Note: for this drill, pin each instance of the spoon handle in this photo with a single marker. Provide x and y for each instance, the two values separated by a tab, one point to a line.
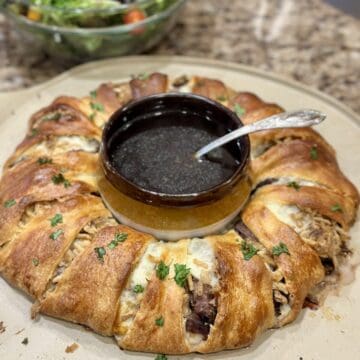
294	119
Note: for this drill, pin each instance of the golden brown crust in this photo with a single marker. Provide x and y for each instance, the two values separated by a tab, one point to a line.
321	200
31	257
63	117
245	307
294	159
162	298
302	269
19	180
89	290
211	88
113	97
148	85
71	281
247	101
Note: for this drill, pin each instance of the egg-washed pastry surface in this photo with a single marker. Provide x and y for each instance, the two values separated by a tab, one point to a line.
60	245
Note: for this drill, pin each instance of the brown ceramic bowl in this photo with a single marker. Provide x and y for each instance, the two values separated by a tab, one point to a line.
183	104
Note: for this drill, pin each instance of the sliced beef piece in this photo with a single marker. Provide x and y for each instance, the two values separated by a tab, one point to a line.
328	265
204	305
203	308
195	325
244	231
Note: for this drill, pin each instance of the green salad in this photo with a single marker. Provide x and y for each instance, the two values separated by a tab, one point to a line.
87	13
80	30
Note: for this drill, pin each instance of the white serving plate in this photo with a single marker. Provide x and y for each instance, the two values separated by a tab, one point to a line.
332	332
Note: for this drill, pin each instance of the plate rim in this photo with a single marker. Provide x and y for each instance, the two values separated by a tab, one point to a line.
188	60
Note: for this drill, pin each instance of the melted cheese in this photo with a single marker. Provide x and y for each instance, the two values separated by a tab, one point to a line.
301	182
283	213
129	300
201	260
63	144
146	266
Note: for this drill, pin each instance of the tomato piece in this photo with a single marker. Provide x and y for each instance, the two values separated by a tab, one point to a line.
134	16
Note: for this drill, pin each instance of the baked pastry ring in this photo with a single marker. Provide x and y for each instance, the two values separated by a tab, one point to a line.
60	245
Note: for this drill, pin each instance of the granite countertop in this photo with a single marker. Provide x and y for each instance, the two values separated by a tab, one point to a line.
306	40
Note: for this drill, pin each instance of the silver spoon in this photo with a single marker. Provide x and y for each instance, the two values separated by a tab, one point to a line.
294	119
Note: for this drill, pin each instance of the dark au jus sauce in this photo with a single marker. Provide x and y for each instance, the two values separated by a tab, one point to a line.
156	152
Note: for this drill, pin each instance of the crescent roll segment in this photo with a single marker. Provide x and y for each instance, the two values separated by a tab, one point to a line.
33	178
321	200
89	289
113	96
162	298
60	244
293	160
211	88
37	248
145	85
50	146
255	109
63	117
302	269
76	166
247	101
245	307
264	140
25	188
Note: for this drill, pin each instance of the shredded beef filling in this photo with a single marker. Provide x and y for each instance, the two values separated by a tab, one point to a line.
203	309
328	265
244	231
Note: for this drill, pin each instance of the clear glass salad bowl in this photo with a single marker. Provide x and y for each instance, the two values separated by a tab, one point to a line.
80	34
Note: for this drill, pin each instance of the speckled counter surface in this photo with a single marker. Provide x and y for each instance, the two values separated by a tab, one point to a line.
306	40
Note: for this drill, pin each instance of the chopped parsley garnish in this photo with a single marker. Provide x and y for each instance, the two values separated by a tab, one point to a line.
57	219
314	152
53	116
159	321
181	274
97	106
100	253
34	132
138	289
280	249
221	98
44	160
161	357
25	341
93	94
336	208
240	111
294	185
9	203
119	238
162	270
56	234
60	179
143	76
248	250
35	261
92	116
